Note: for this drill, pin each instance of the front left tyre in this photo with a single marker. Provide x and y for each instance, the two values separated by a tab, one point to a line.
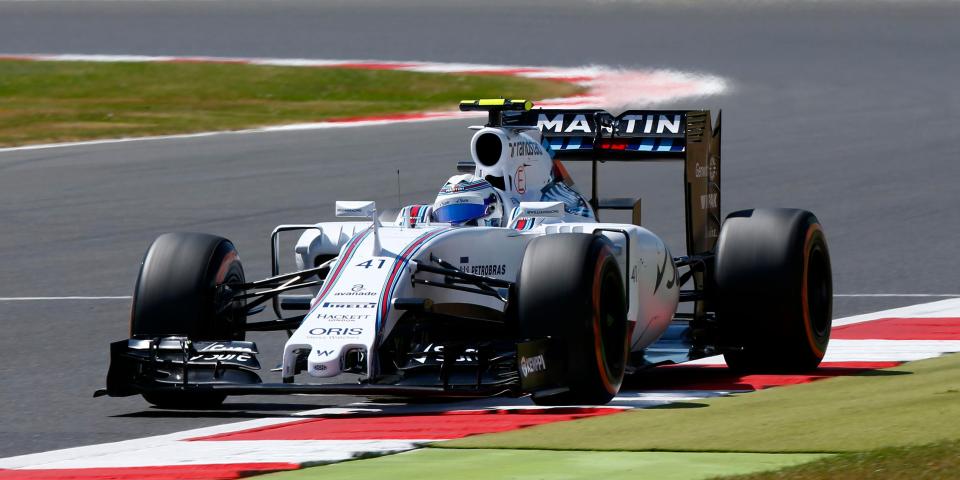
176	294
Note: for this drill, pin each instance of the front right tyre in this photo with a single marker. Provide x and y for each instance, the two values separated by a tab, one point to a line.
570	289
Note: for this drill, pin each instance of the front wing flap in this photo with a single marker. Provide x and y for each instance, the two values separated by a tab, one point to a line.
143	365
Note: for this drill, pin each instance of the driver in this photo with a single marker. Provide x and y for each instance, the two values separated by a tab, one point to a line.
469	200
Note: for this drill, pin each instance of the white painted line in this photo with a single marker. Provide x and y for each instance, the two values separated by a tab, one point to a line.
171	449
888	350
425	117
942	308
163	453
43	299
93	452
109	141
657	398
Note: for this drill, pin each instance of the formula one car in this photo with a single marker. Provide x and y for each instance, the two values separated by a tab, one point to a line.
507	284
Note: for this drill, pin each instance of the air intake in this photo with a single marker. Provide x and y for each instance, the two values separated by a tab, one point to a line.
489	146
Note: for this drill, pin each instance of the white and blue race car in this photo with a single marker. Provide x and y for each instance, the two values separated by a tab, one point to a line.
508	283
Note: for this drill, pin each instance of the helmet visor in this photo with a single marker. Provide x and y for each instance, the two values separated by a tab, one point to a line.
459	212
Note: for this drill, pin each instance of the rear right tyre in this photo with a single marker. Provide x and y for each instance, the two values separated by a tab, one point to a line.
774	290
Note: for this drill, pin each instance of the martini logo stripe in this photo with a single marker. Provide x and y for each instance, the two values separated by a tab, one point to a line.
341	265
402	260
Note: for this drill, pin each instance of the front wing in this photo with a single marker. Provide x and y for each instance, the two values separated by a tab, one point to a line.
177	364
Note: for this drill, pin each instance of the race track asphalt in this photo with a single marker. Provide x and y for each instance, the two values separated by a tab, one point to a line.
848	110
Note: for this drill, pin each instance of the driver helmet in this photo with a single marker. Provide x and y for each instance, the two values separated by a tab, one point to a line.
468	200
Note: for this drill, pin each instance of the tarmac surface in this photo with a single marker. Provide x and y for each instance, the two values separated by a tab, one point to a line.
846	110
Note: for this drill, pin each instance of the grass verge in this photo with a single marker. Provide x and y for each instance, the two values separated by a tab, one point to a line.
537	464
924	462
65	101
912	404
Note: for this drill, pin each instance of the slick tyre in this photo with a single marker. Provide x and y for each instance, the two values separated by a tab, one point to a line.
176	295
774	290
570	289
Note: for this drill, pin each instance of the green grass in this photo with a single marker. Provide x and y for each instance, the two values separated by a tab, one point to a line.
912	404
925	462
537	464
63	101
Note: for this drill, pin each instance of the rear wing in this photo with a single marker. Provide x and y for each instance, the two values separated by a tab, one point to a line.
641	135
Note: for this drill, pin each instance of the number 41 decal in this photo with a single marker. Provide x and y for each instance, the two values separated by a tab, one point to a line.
369	263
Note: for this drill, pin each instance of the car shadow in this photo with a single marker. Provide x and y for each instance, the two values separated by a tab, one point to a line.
882	373
247	410
359	407
673	405
720	378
